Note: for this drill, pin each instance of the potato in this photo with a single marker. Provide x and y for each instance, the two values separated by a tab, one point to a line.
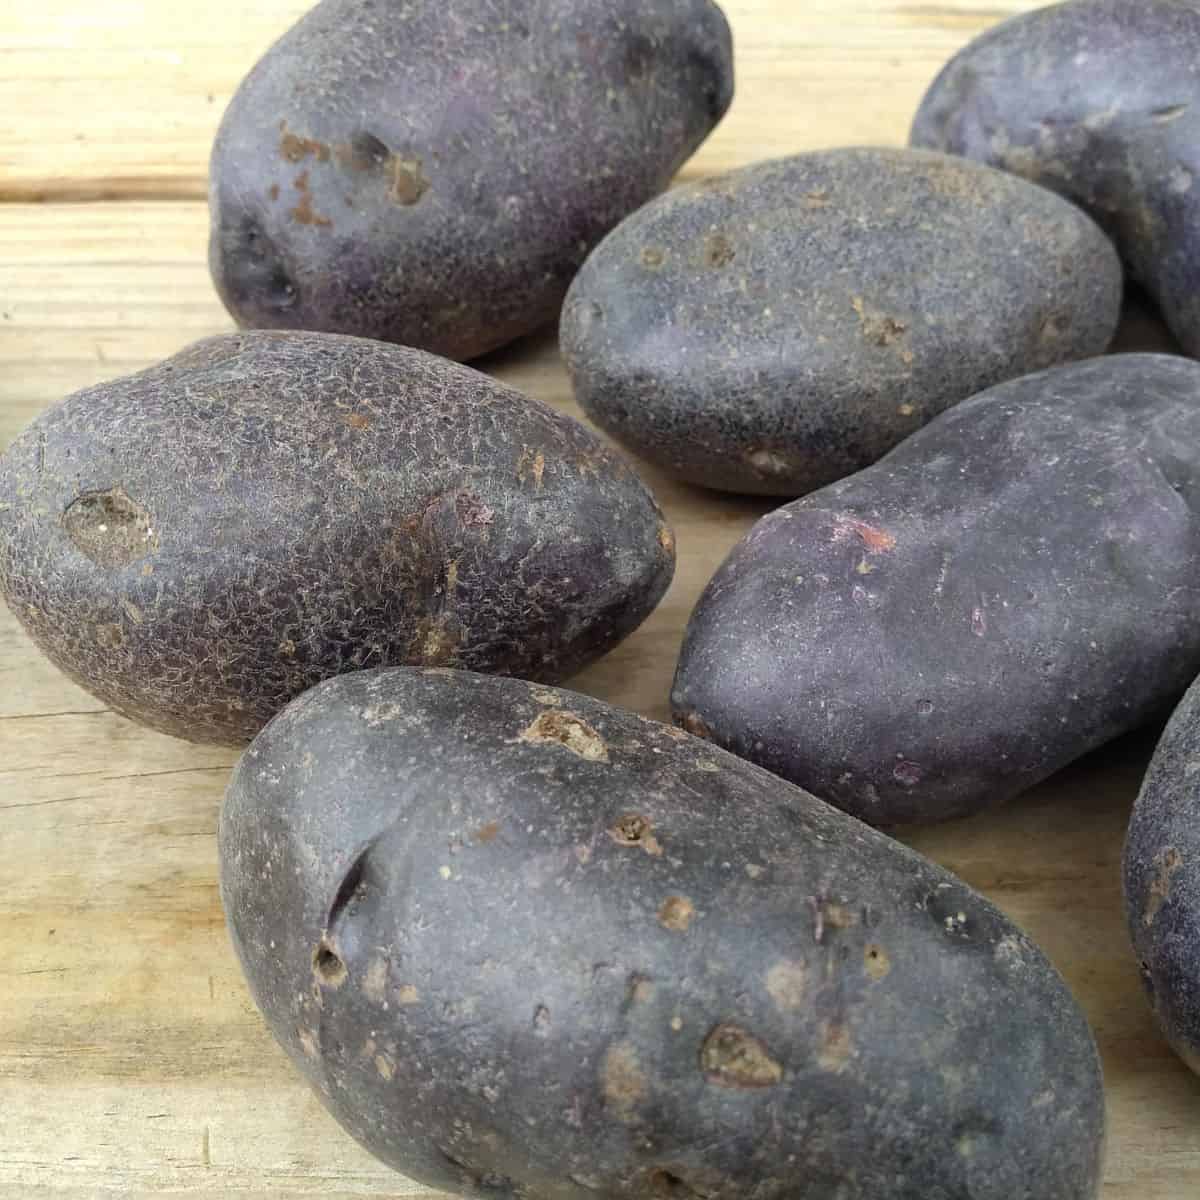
781	327
1099	100
1013	586
523	943
198	543
1162	880
434	173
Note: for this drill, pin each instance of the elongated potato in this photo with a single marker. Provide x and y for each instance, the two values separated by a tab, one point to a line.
1162	880
1098	100
198	543
434	173
1011	587
526	944
784	325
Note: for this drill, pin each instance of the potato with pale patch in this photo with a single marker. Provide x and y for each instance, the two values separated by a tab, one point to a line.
523	943
200	542
777	328
1010	588
434	173
1162	880
1098	100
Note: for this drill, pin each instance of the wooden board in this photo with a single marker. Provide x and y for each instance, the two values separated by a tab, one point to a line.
132	1062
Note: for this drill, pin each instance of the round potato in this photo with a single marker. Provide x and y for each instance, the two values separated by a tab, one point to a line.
1099	100
1008	589
434	173
523	943
198	543
780	327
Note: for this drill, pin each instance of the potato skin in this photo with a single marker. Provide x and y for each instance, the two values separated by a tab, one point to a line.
787	324
1013	586
434	174
200	542
1099	100
1162	882
525	943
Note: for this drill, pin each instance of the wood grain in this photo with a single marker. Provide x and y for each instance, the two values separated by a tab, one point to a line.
132	1062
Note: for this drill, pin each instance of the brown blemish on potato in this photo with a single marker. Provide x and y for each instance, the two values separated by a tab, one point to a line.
408	181
407	994
305	214
435	642
111	637
634	830
110	528
734	1058
815	200
787	984
876	541
652	257
1166	864
566	729
836	1047
356	420
666	539
487	833
641	989
767	463
273	191
308	1044
694	723
328	968
531	465
375	981
296	149
552	699
583	855
676	913
718	250
385	1065
879	328
622	1082
876	961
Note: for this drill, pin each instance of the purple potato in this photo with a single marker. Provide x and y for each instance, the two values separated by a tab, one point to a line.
434	173
1013	586
785	325
200	542
524	944
1099	100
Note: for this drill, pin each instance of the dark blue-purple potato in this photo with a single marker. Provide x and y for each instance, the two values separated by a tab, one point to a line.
200	542
1099	100
434	172
1010	588
1162	880
780	327
523	943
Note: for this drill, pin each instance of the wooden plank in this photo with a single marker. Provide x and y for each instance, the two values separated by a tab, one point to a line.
122	99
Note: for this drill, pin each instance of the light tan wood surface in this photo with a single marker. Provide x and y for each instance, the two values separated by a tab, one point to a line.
132	1062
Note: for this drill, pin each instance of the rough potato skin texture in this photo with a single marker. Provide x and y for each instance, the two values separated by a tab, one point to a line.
434	173
1013	586
523	943
1099	100
200	542
1162	880
780	327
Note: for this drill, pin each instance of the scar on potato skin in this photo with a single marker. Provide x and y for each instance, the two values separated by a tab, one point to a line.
622	1081
566	729
676	913
632	829
876	961
732	1057
787	984
877	541
1166	864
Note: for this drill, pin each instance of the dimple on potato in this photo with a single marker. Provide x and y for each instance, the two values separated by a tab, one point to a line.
1162	880
1100	101
198	543
1008	589
434	173
523	943
782	326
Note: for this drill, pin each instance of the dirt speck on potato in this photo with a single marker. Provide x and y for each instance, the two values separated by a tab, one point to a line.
734	1058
